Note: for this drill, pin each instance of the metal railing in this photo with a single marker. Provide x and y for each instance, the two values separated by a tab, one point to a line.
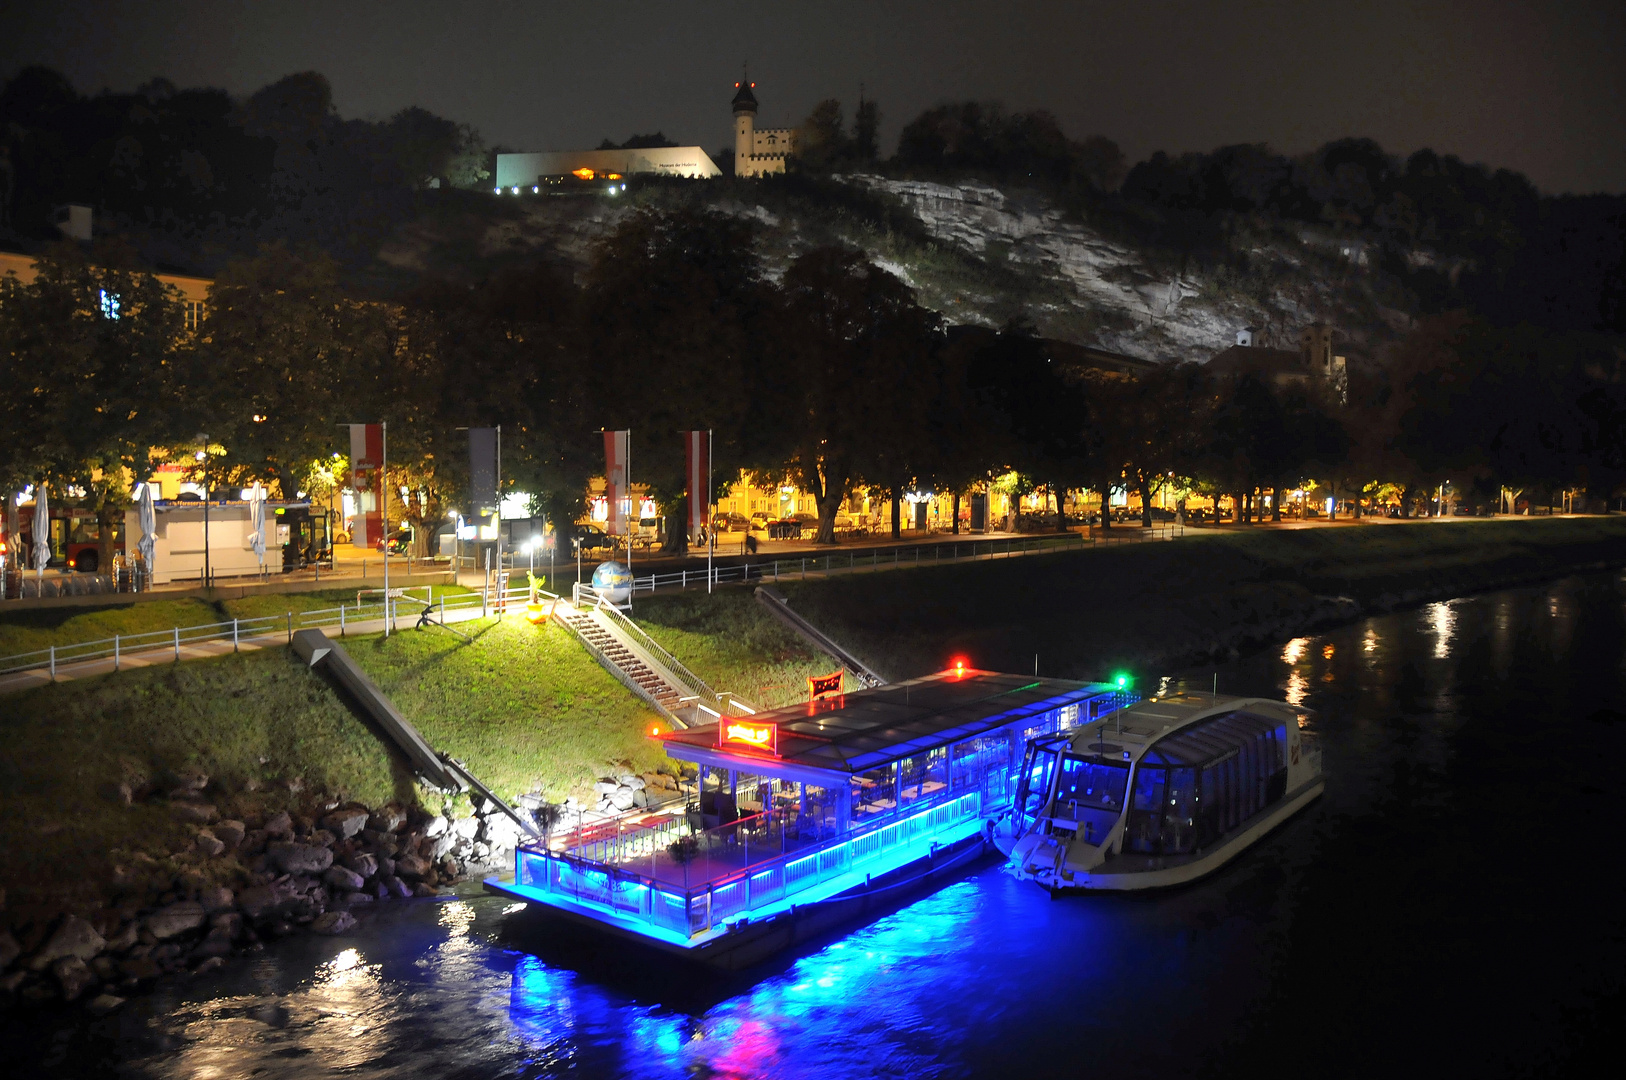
237	631
493	598
691	685
670	897
798	567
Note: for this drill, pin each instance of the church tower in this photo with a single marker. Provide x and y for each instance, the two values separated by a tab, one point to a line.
745	116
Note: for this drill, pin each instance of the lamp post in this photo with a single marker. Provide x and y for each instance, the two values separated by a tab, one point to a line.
203	463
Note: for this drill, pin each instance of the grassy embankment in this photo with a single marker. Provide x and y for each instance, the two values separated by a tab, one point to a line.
1153	607
525	706
39	628
733	643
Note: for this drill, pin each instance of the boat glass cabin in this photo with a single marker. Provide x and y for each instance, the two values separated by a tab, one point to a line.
1178	777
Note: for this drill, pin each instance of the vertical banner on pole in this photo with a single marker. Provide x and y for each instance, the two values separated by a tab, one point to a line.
366	459
616	491
697	472
483	480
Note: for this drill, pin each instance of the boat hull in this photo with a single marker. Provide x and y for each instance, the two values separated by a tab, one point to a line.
749	943
1131	873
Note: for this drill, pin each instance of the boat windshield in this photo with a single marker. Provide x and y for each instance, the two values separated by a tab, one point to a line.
1035	785
1097	783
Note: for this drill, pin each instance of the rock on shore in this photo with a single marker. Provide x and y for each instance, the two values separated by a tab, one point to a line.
239	883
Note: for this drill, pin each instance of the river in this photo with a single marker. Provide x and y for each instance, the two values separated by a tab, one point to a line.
1446	906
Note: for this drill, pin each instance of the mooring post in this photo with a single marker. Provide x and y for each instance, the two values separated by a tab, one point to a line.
341	620
290	627
115	652
53	663
234	635
177	644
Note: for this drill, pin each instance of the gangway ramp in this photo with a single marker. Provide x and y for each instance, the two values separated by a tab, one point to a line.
775	602
320	651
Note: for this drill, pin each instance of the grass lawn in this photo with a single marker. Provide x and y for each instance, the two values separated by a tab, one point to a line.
733	643
39	628
524	706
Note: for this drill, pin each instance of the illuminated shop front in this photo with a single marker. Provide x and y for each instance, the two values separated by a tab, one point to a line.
804	803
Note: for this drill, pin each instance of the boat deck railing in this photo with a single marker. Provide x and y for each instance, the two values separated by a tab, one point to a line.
719	883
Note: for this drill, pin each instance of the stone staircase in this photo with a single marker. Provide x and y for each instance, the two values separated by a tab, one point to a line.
624	663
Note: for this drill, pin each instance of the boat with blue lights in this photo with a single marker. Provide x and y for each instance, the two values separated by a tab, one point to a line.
810	817
1161	792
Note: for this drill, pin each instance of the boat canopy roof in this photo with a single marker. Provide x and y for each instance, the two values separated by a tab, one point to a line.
1210	739
868	728
1187	728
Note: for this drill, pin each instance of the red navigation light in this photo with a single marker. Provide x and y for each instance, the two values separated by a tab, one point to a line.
958	665
654	729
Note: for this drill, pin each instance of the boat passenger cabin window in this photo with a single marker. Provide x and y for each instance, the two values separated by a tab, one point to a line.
1193	787
1090	793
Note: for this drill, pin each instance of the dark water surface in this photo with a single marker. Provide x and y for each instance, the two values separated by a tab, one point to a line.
1449	905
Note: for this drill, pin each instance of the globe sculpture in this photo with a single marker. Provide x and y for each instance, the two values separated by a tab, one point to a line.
613	582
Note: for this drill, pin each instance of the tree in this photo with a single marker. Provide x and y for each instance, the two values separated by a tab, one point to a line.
856	354
821	139
285	357
866	140
1037	416
672	306
506	352
94	350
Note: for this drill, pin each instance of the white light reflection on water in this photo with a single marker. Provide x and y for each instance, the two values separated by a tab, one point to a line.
1443	621
1297	687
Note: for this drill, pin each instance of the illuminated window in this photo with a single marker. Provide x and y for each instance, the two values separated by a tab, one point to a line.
194	314
110	305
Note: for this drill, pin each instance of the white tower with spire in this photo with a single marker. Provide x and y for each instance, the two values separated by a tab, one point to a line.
757	151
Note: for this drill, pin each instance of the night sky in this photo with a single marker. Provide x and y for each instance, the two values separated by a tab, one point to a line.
1533	87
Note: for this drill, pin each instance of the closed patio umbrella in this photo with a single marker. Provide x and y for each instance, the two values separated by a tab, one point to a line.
149	529
42	530
256	509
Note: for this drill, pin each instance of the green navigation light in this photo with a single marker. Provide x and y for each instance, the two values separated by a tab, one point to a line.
1122	680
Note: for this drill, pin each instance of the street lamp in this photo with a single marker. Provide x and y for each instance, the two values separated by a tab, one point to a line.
202	458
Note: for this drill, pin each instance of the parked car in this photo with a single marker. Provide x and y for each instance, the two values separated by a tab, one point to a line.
646	532
399	543
591	537
759	521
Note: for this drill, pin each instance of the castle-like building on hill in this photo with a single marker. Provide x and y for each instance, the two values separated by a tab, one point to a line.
1313	364
757	151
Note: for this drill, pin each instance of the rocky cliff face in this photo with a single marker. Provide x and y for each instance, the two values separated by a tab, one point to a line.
1095	291
990	255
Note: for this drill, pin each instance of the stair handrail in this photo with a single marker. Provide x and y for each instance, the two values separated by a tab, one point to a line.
694	685
771	599
615	669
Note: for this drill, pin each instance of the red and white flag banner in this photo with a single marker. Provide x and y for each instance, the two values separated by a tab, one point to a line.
697	475
366	462
616	491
